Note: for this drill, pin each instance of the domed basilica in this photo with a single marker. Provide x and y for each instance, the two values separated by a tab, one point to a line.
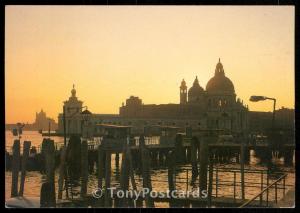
214	107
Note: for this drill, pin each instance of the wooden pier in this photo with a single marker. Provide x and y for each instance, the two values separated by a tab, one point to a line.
200	149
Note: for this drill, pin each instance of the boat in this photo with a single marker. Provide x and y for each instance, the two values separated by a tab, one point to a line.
23	202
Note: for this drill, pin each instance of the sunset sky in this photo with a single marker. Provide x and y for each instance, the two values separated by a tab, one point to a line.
112	52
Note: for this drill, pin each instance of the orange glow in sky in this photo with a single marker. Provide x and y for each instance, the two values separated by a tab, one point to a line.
112	52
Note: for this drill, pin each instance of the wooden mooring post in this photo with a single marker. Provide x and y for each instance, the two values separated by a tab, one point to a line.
48	151
117	159
62	172
171	182
210	180
145	157
203	164
26	148
179	150
107	198
100	169
84	168
15	168
242	167
124	182
194	149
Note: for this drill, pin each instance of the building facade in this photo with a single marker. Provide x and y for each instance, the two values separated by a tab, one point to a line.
73	108
42	122
215	107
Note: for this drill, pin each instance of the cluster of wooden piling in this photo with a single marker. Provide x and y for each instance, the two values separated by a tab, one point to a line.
76	161
17	166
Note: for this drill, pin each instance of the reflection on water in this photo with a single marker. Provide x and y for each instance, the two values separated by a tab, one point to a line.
159	177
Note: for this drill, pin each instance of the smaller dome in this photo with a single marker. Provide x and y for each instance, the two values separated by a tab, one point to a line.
196	89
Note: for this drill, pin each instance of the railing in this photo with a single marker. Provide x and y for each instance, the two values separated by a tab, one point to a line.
154	140
267	189
38	148
58	145
233	180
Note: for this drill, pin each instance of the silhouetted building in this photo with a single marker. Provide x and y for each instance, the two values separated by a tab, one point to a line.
73	109
262	121
42	122
215	107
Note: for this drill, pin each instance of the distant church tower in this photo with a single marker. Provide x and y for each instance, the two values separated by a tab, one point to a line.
183	92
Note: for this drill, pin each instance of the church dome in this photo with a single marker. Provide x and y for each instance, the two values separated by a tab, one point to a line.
219	83
196	89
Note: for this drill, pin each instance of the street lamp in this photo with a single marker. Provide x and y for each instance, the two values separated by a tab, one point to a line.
255	98
262	98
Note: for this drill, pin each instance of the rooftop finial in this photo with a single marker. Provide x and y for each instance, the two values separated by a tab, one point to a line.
73	91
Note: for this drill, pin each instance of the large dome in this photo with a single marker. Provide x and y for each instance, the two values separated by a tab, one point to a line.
219	83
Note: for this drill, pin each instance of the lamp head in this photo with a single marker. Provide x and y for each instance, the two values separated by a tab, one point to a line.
255	98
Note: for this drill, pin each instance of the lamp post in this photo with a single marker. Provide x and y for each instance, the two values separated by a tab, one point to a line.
85	114
262	98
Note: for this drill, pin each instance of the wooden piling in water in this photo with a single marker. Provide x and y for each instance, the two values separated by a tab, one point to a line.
124	182
26	148
203	164
15	168
188	154
100	169
179	150
242	167
117	159
49	155
107	198
46	195
84	168
247	154
210	180
131	168
91	160
160	158
171	182
62	171
288	157
194	148
73	157
145	157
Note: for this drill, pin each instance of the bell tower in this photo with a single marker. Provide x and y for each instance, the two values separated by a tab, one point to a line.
183	92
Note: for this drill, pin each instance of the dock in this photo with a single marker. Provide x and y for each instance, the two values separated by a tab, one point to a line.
199	152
